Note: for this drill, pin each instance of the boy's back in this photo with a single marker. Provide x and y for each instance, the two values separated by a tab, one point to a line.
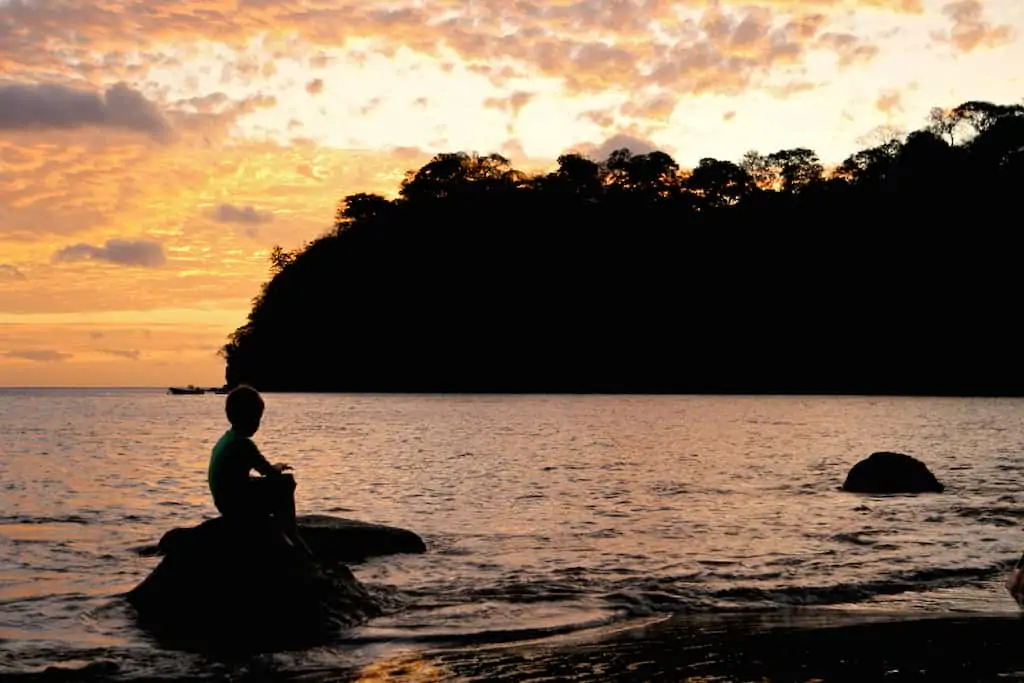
233	456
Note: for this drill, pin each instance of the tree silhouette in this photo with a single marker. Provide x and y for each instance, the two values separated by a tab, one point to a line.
798	168
891	273
761	169
360	207
720	183
576	179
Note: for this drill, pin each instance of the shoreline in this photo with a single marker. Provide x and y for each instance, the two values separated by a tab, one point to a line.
790	645
793	644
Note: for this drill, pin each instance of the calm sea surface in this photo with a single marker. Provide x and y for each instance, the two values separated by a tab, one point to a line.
543	515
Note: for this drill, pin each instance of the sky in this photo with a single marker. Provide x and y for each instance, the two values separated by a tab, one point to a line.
152	152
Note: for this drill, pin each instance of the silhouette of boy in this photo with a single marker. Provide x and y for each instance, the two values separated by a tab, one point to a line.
238	496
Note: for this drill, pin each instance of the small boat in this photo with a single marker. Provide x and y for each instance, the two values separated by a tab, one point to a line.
190	389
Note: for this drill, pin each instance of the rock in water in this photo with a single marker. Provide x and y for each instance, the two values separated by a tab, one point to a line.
222	587
332	539
886	472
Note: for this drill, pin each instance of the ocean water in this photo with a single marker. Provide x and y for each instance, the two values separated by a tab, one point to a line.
546	517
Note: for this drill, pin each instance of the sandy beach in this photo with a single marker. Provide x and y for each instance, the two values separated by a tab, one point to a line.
811	645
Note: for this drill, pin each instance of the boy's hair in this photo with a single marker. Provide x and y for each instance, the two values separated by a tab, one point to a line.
243	402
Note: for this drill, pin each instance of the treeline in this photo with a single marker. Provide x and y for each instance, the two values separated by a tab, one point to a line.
895	273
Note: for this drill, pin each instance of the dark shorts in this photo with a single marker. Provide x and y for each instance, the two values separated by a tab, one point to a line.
259	497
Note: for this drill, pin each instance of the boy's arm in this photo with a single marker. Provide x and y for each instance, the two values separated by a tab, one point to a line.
262	465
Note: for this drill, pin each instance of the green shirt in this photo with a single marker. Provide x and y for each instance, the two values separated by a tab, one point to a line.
232	458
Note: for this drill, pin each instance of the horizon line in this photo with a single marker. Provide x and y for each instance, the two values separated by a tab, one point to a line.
4	388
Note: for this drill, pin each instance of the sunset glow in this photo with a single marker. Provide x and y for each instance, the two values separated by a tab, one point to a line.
153	152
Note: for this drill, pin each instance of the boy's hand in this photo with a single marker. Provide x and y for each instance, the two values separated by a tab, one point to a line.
282	467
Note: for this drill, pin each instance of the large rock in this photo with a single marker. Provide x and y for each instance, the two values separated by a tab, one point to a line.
332	539
223	587
887	472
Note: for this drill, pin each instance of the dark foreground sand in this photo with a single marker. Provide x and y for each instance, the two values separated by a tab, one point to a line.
799	645
793	646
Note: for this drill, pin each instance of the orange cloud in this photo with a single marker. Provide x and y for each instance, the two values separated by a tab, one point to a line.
605	118
38	355
84	353
849	48
9	272
970	31
658	107
589	46
130	354
513	103
728	53
76	210
889	102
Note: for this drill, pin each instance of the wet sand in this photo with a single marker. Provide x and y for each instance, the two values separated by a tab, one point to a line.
798	645
782	646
